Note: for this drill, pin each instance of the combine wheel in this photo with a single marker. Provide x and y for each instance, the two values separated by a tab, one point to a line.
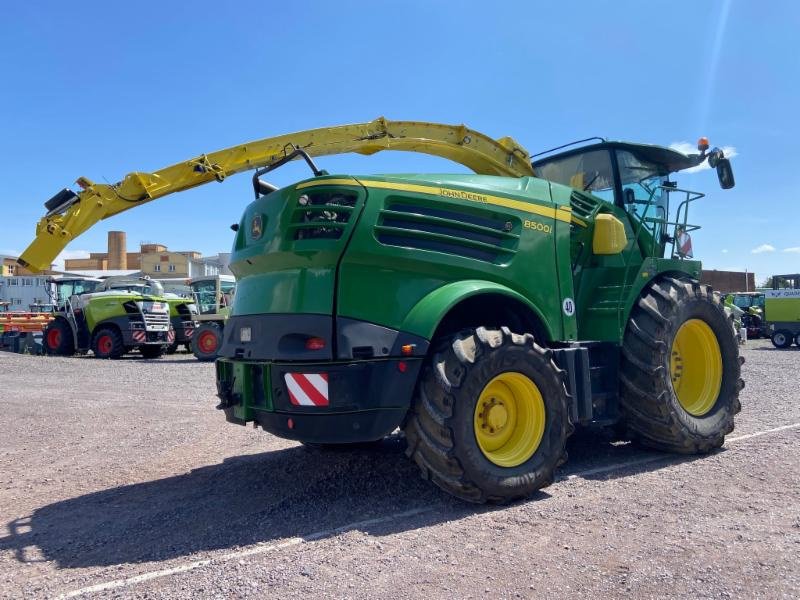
107	343
797	339
679	376
58	338
781	339
490	419
152	350
172	348
206	341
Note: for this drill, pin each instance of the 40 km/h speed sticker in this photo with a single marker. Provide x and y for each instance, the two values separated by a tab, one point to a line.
569	306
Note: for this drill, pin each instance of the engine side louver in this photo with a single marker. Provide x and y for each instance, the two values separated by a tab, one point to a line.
583	205
485	237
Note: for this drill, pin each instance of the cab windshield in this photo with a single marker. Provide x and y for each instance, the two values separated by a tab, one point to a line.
67	289
587	171
206	296
642	191
748	300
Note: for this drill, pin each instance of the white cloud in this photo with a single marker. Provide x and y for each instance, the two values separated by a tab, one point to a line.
793	249
687	148
59	261
724	250
763	248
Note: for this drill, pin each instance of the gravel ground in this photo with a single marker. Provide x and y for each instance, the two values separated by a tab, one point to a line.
115	469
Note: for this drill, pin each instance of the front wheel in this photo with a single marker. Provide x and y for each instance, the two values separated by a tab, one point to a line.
679	375
490	420
206	341
107	343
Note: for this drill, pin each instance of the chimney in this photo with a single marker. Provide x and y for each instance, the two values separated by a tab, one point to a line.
117	254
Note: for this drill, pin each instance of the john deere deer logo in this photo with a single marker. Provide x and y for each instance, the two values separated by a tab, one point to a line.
256	227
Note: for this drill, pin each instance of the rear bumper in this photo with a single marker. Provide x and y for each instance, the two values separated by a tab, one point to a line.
365	400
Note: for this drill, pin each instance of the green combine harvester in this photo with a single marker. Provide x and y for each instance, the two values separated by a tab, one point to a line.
110	317
485	315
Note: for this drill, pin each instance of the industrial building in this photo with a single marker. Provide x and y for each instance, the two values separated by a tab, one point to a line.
24	292
155	260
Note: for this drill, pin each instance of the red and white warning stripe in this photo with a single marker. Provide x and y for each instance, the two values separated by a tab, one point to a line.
188	331
139	336
171	336
307	389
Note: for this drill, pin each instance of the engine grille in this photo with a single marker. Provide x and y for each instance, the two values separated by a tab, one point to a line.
158	321
322	215
488	237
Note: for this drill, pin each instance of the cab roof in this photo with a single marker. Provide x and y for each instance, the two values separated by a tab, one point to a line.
671	160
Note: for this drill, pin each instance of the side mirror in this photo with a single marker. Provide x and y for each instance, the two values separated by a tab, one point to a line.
725	174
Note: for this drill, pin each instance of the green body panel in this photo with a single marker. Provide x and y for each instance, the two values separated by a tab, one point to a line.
423	319
277	273
782	306
105	308
384	282
379	272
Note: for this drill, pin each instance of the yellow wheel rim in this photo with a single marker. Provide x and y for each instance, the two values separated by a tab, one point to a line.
696	367
509	419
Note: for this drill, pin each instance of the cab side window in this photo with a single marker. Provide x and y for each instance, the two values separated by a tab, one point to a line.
586	171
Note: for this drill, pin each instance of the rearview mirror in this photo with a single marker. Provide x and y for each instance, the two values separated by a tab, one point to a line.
725	174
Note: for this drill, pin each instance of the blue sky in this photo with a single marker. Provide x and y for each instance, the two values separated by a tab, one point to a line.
102	89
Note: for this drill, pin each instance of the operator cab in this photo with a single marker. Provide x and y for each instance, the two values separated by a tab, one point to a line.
211	294
635	178
67	287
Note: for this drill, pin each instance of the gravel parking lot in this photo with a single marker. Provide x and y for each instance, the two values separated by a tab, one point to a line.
119	479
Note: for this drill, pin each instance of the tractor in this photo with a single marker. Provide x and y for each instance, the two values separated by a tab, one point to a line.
486	316
110	317
213	296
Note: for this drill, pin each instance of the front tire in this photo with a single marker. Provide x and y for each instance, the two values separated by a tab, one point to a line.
490	419
680	368
206	341
107	343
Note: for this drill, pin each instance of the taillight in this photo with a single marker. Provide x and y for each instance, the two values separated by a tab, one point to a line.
315	343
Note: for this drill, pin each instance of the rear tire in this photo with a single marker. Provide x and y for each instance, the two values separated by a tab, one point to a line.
490	419
151	351
781	339
107	343
58	340
206	341
172	348
678	338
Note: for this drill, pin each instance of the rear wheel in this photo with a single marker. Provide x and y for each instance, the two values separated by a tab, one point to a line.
679	376
107	343
58	338
152	350
781	339
206	341
797	339
490	419
172	348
